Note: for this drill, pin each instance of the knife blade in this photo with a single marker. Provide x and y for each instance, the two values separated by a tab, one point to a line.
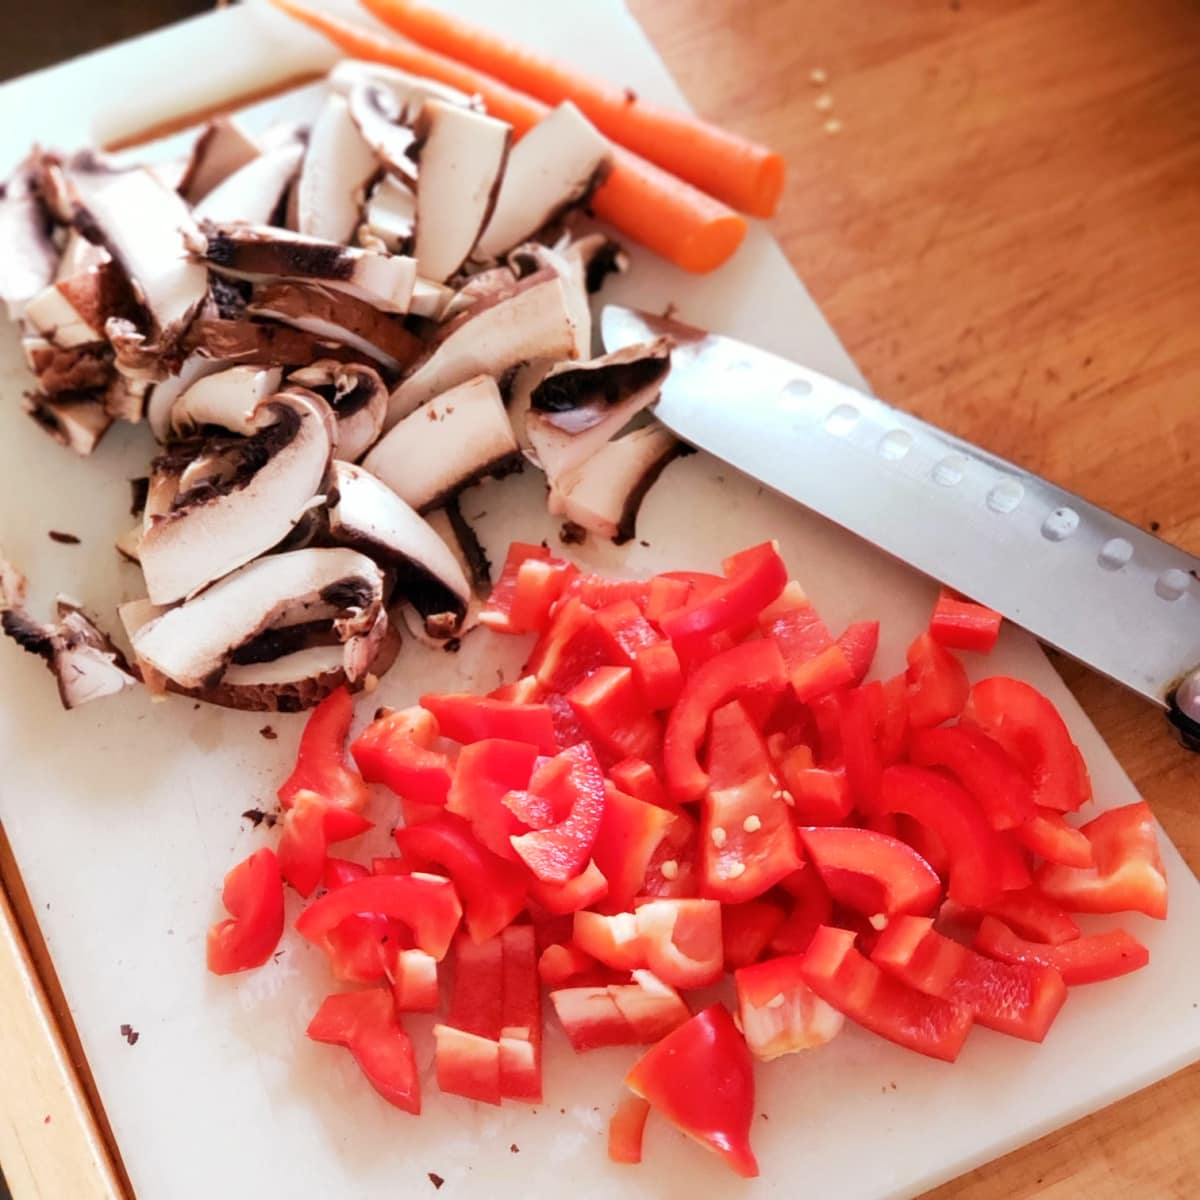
1096	587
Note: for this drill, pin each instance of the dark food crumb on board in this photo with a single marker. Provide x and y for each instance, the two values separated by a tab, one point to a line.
267	732
130	1034
1154	526
645	543
46	1119
64	539
514	1149
257	817
630	96
139	489
436	1179
571	534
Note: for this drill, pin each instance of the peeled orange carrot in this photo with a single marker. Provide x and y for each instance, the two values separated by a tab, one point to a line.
740	172
640	200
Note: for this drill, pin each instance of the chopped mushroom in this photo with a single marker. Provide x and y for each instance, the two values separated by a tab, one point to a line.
164	394
255	192
532	257
390	216
231	399
338	165
409	92
125	398
244	496
192	645
556	164
222	148
596	257
365	514
75	310
29	258
357	396
577	407
86	368
377	115
263	252
533	321
83	660
456	439
76	419
461	156
79	255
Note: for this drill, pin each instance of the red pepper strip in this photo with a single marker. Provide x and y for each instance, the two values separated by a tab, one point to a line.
961	625
747	930
569	650
670	873
619	1014
637	778
747	844
363	948
1019	999
860	752
937	683
630	832
340	871
520	1017
701	1078
1088	959
753	667
1128	875
1048	835
557	854
1030	728
394	750
253	895
665	595
598	591
467	718
427	904
585	890
855	986
321	764
820	796
871	872
755	579
484	774
525	690
366	1024
492	890
625	1130
467	1064
891	722
1027	912
634	642
477	994
540	582
652	1008
415	982
613	714
498	615
812	907
390	864
1015	875
779	1012
858	643
812	673
937	802
309	826
562	966
981	765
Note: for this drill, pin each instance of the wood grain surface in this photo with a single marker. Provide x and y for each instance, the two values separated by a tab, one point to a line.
997	205
1003	226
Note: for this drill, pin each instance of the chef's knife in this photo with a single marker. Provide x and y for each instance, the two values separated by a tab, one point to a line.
1079	578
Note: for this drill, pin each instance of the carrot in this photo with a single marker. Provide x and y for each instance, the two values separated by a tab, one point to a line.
744	174
640	200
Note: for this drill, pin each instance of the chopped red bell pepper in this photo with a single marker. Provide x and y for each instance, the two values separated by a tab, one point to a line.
310	825
567	966
747	930
598	591
340	871
321	764
637	778
630	832
812	907
614	715
476	997
586	889
530	582
671	872
753	667
937	802
468	718
1128	873
820	795
860	750
855	986
1027	912
962	625
815	663
747	844
362	948
779	1012
982	766
871	872
394	750
937	683
1019	999
253	896
619	1014
651	1007
665	594
520	1017
484	774
891	719
1088	959
366	1024
491	889
1030	728
1048	835
701	1078
858	643
427	904
525	690
570	649
634	642
626	1128
415	982
467	1065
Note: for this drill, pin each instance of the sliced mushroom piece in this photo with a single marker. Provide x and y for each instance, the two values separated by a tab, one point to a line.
193	643
143	224
430	300
262	252
86	368
84	661
247	496
460	158
357	396
596	257
453	528
125	398
410	92
232	399
75	310
337	316
338	165
533	321
558	163
79	255
379	118
578	407
604	493
459	437
486	287
253	193
127	543
164	393
222	148
76	419
28	256
365	514
532	257
135	354
390	215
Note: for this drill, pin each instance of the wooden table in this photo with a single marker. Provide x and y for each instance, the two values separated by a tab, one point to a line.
1000	214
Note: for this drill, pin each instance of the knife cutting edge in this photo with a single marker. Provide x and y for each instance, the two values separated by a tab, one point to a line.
1077	577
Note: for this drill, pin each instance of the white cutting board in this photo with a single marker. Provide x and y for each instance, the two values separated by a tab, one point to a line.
125	815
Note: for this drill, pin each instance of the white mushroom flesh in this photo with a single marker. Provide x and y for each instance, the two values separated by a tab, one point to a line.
74	311
222	148
29	258
231	398
358	398
253	194
78	422
390	215
338	165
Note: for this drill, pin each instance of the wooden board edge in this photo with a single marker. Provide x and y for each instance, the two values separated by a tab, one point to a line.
55	1140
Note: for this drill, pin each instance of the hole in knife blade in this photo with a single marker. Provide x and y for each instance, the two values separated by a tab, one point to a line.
1060	524
1115	554
841	420
895	445
1005	495
948	471
1172	583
